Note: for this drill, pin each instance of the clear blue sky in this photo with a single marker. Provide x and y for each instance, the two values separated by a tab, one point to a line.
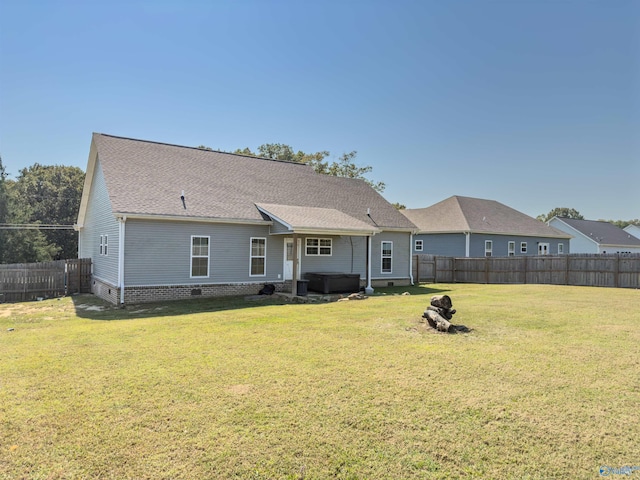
535	104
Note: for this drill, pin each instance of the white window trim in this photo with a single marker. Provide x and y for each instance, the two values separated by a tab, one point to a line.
104	245
382	256
488	248
561	249
319	239
192	256
523	247
252	256
421	245
511	249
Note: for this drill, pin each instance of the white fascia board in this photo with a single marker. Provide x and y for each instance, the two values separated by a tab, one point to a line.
175	218
88	182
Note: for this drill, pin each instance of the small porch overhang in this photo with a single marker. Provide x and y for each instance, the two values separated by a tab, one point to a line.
315	221
297	220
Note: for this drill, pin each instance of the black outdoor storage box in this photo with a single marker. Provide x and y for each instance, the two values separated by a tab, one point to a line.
302	288
331	282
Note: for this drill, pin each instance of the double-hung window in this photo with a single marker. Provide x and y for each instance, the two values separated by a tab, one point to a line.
199	257
523	247
386	260
560	248
104	244
418	246
512	249
488	248
258	257
318	246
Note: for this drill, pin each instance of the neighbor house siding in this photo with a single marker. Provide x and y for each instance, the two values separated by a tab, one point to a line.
579	243
98	221
501	245
445	244
159	253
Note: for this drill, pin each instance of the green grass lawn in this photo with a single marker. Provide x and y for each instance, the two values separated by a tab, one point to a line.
547	385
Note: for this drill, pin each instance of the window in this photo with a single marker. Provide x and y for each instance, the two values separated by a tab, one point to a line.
199	256
258	257
104	244
560	248
418	245
488	248
511	249
318	246
386	257
523	247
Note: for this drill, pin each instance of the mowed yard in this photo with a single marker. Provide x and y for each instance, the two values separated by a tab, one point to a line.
547	385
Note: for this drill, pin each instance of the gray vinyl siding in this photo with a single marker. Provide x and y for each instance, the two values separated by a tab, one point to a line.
348	255
99	220
159	253
277	227
501	245
445	244
400	259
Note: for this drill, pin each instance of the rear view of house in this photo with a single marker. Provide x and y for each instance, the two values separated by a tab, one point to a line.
473	227
164	221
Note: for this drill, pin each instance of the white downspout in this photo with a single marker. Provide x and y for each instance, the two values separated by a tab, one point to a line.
411	258
121	223
467	246
368	289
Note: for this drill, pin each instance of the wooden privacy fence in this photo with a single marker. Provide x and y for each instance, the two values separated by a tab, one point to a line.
21	282
606	270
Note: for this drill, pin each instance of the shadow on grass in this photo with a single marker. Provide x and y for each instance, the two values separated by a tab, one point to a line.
94	308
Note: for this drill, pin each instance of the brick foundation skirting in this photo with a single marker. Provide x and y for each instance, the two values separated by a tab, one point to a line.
133	295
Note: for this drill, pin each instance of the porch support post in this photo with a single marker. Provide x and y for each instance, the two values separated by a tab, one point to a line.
368	289
294	277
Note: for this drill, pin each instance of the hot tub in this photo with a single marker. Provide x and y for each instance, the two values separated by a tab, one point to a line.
333	282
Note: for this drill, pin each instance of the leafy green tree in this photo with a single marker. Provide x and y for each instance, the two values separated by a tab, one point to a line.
24	245
49	195
561	212
399	206
344	167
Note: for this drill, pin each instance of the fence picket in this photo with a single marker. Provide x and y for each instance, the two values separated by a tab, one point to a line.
600	270
28	281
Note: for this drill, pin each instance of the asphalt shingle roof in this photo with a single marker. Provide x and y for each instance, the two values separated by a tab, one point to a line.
148	178
603	233
315	218
475	215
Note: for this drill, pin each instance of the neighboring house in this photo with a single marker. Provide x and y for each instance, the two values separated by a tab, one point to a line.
163	221
590	236
473	227
633	230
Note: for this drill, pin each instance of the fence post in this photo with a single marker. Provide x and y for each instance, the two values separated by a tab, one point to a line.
435	269
616	274
486	270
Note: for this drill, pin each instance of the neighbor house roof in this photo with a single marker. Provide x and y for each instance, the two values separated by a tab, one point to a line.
147	179
466	214
602	233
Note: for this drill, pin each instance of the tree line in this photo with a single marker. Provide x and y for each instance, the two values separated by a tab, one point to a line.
33	210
